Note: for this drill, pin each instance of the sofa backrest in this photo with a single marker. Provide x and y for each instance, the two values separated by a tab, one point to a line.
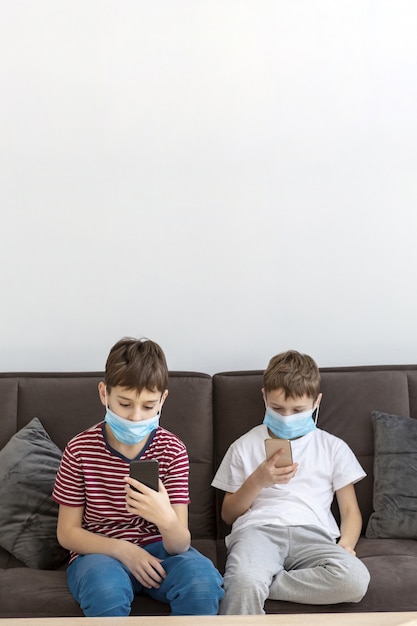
67	403
349	396
209	413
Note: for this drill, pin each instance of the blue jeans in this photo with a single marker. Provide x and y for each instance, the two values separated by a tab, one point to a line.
103	586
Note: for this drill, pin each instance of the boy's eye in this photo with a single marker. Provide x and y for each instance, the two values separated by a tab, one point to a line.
124	405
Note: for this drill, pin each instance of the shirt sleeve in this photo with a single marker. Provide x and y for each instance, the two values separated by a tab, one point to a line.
347	469
176	478
230	476
69	487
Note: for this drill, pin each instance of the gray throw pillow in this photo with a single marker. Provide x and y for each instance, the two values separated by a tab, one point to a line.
395	478
28	515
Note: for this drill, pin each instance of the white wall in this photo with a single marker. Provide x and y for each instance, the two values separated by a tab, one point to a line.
231	178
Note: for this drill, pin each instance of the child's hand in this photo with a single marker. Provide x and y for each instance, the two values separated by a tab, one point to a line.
269	474
347	548
145	567
154	506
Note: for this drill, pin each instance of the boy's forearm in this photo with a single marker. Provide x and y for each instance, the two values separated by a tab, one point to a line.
237	503
175	536
350	530
83	541
350	517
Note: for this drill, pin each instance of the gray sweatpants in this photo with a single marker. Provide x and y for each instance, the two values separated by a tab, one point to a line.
295	564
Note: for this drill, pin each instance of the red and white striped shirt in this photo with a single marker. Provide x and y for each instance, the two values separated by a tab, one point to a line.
91	476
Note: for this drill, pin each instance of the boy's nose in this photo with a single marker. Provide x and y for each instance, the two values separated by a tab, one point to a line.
136	416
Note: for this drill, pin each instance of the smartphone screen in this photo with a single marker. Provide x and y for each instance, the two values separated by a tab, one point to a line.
147	472
273	445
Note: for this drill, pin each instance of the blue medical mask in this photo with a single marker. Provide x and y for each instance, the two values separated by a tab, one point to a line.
290	426
129	432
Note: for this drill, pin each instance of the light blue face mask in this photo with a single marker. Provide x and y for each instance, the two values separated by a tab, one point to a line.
290	426
129	432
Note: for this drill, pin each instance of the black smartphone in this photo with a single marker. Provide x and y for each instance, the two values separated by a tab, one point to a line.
146	472
273	445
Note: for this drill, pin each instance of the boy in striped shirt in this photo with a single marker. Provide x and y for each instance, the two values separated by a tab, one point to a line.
124	542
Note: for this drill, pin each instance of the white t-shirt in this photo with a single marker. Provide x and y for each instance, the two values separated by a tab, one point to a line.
326	464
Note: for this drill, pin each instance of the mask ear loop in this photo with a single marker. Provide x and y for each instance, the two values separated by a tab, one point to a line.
316	416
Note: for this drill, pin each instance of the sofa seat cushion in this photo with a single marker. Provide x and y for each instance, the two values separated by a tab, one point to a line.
42	593
386	547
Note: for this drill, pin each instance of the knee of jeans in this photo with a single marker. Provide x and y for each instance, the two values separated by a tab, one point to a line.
107	601
193	570
103	588
196	565
193	585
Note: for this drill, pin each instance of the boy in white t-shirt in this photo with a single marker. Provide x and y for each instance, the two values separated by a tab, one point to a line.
283	540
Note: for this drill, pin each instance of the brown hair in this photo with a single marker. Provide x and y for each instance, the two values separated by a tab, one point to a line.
297	374
136	364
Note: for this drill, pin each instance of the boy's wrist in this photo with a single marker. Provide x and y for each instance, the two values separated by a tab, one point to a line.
254	483
349	546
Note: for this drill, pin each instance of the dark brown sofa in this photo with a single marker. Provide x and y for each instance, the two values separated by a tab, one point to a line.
208	413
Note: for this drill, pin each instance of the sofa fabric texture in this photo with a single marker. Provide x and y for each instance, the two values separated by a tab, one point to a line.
395	473
208	413
28	465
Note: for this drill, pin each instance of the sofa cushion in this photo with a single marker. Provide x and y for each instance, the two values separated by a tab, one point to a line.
28	515
395	474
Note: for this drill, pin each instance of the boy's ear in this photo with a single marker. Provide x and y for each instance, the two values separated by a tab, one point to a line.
319	397
164	397
102	392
